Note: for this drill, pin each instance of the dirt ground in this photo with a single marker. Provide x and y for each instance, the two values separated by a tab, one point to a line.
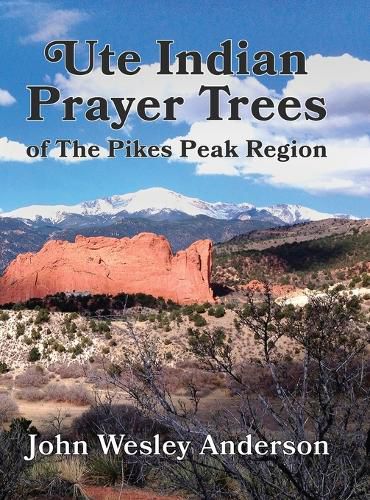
101	493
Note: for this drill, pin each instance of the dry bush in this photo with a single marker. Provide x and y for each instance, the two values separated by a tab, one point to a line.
6	380
8	408
77	394
259	379
71	370
72	469
205	382
30	394
179	379
98	377
34	376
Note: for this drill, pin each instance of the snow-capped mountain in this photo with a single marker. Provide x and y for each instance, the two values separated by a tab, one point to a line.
152	202
292	214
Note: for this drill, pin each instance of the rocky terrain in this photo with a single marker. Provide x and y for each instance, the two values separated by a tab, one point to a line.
312	255
296	233
61	355
181	219
100	265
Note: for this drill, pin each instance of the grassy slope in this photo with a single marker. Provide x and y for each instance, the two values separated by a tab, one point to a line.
322	254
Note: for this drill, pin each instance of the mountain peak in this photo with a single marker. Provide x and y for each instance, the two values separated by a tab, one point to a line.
158	200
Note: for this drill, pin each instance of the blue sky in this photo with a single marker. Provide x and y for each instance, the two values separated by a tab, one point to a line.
329	29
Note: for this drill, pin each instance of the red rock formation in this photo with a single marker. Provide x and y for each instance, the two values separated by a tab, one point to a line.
144	263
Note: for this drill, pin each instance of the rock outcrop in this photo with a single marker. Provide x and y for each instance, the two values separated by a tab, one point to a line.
144	263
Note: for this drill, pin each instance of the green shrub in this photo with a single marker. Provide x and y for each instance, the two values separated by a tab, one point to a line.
219	312
34	355
99	326
200	308
4	367
43	316
20	329
198	320
189	310
365	280
35	335
4	316
77	350
58	347
85	341
104	469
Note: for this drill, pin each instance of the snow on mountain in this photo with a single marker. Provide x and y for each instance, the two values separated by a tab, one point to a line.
154	201
291	214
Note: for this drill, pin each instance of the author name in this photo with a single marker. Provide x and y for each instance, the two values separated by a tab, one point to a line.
121	444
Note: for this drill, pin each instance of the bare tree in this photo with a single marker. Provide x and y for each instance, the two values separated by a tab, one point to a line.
322	395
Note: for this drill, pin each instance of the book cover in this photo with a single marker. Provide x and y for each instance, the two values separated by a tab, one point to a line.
184	249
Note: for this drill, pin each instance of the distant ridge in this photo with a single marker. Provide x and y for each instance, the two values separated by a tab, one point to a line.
160	202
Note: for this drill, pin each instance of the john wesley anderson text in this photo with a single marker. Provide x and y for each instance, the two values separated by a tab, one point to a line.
121	444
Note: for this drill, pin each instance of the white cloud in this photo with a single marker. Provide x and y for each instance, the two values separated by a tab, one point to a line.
55	24
346	168
13	151
344	82
46	22
6	99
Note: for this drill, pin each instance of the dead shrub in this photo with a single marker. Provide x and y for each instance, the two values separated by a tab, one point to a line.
34	376
179	379
71	370
76	394
30	394
6	380
259	377
8	408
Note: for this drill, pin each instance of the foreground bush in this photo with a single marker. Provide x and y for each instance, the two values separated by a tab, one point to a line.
14	444
117	419
105	470
8	408
322	397
43	479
